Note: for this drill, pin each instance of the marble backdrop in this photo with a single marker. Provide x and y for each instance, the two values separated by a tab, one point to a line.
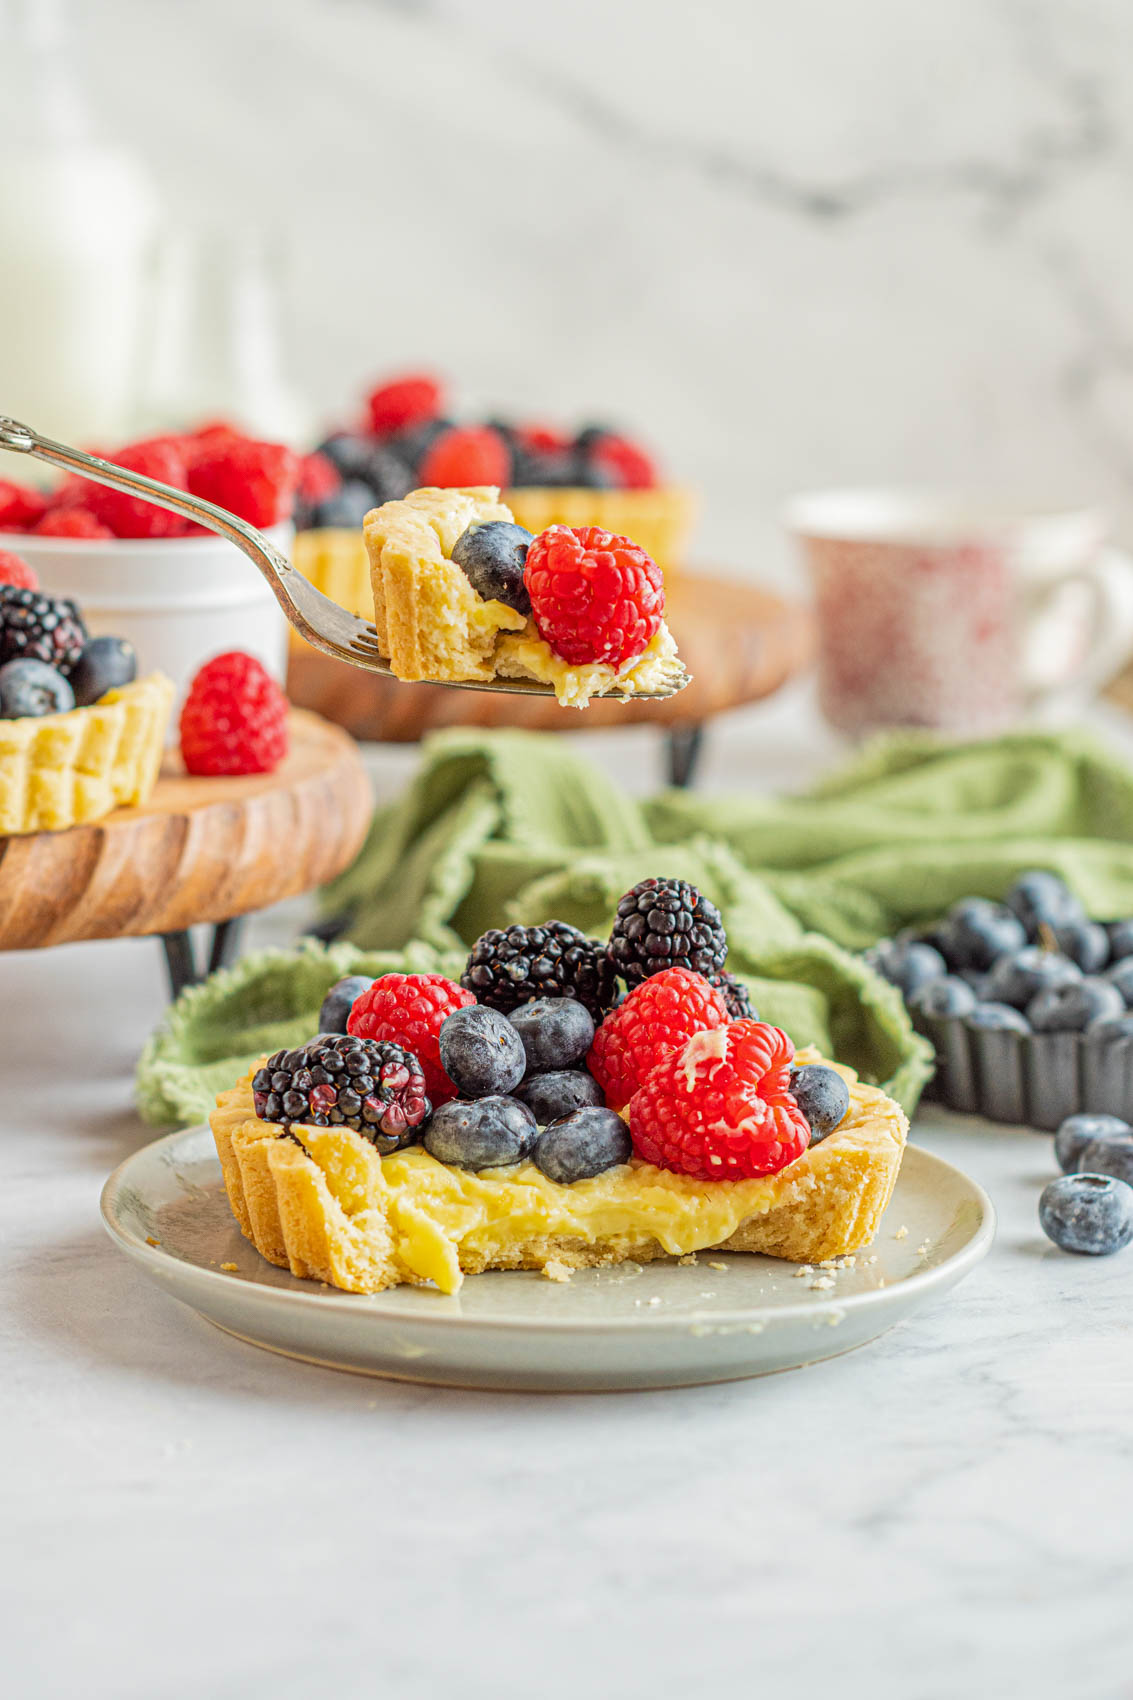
789	244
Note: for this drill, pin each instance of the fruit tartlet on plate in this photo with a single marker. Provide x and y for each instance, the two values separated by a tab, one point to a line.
462	593
526	1119
80	733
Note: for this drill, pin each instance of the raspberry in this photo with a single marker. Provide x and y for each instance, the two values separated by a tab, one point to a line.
541	439
16	572
721	1109
629	466
595	596
318	477
256	481
20	506
234	719
163	458
404	403
466	455
656	1019
410	1010
71	522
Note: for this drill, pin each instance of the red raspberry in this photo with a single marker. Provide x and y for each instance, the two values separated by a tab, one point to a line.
657	1018
625	462
721	1108
20	506
71	522
163	458
464	456
404	402
318	477
234	719
595	596
542	439
256	481
17	572
410	1010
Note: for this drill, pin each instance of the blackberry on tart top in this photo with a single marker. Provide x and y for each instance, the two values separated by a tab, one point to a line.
509	966
666	923
736	995
374	1087
35	627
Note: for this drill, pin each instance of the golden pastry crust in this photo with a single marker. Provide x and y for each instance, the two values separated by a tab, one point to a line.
429	620
660	519
60	770
323	1204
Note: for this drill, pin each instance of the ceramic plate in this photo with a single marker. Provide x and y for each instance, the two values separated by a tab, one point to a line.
654	1325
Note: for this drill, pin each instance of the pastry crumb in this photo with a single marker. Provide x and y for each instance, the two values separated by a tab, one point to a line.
151	1241
228	1266
555	1270
823	1281
902	1233
688	1261
723	1266
803	1269
924	1248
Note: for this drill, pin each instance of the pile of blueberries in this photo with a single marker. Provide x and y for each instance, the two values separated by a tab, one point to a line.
1034	963
524	1088
1089	1208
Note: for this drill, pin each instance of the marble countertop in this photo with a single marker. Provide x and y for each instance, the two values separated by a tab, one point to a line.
944	1512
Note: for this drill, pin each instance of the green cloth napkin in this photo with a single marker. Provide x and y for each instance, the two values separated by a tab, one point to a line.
512	826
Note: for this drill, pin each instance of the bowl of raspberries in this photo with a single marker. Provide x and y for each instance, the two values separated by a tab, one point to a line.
572	1052
1029	1003
177	592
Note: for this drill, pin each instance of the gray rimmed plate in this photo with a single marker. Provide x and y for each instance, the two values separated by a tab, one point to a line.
668	1324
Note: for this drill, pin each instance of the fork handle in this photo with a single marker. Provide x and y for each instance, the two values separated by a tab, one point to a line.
21	439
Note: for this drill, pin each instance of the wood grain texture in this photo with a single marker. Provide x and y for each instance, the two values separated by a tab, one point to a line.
739	643
199	850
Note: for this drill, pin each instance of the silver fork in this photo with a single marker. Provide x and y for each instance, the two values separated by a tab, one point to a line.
315	617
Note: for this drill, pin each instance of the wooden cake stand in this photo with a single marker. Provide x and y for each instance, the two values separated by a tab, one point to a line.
200	851
739	643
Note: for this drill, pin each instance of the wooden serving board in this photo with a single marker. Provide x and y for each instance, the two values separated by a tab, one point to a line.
200	850
739	643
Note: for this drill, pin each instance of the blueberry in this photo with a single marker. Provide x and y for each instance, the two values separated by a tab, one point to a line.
975	932
33	688
1076	1132
1092	1214
1070	1008
556	1032
582	1144
1084	942
481	1135
1121	976
822	1096
1018	978
1108	1157
1108	1029
105	664
907	963
1120	940
492	557
340	1000
998	1018
345	508
977	979
1040	898
559	1093
481	1052
949	996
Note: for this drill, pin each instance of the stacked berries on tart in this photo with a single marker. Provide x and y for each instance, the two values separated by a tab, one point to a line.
48	663
541	1055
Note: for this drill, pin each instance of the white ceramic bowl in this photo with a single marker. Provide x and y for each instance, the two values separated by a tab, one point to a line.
179	600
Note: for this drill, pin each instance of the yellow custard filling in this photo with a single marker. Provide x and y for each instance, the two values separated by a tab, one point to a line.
325	1202
526	656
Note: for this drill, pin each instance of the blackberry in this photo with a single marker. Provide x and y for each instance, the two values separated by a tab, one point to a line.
34	627
666	923
735	995
510	966
376	1088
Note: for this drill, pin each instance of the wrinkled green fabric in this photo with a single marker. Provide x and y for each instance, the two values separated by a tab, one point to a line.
509	826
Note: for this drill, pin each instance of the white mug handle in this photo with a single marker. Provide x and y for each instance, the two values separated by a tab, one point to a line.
1109	581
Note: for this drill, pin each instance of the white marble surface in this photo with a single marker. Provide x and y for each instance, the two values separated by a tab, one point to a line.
793	245
945	1513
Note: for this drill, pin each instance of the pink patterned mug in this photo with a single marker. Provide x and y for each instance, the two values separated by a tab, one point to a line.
933	613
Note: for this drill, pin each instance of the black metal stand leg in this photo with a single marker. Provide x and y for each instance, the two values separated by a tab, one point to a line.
685	744
226	943
180	962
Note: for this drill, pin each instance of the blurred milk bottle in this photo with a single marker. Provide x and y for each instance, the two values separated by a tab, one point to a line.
76	217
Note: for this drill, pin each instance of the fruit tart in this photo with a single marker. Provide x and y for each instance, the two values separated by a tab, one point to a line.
463	593
528	1119
80	733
